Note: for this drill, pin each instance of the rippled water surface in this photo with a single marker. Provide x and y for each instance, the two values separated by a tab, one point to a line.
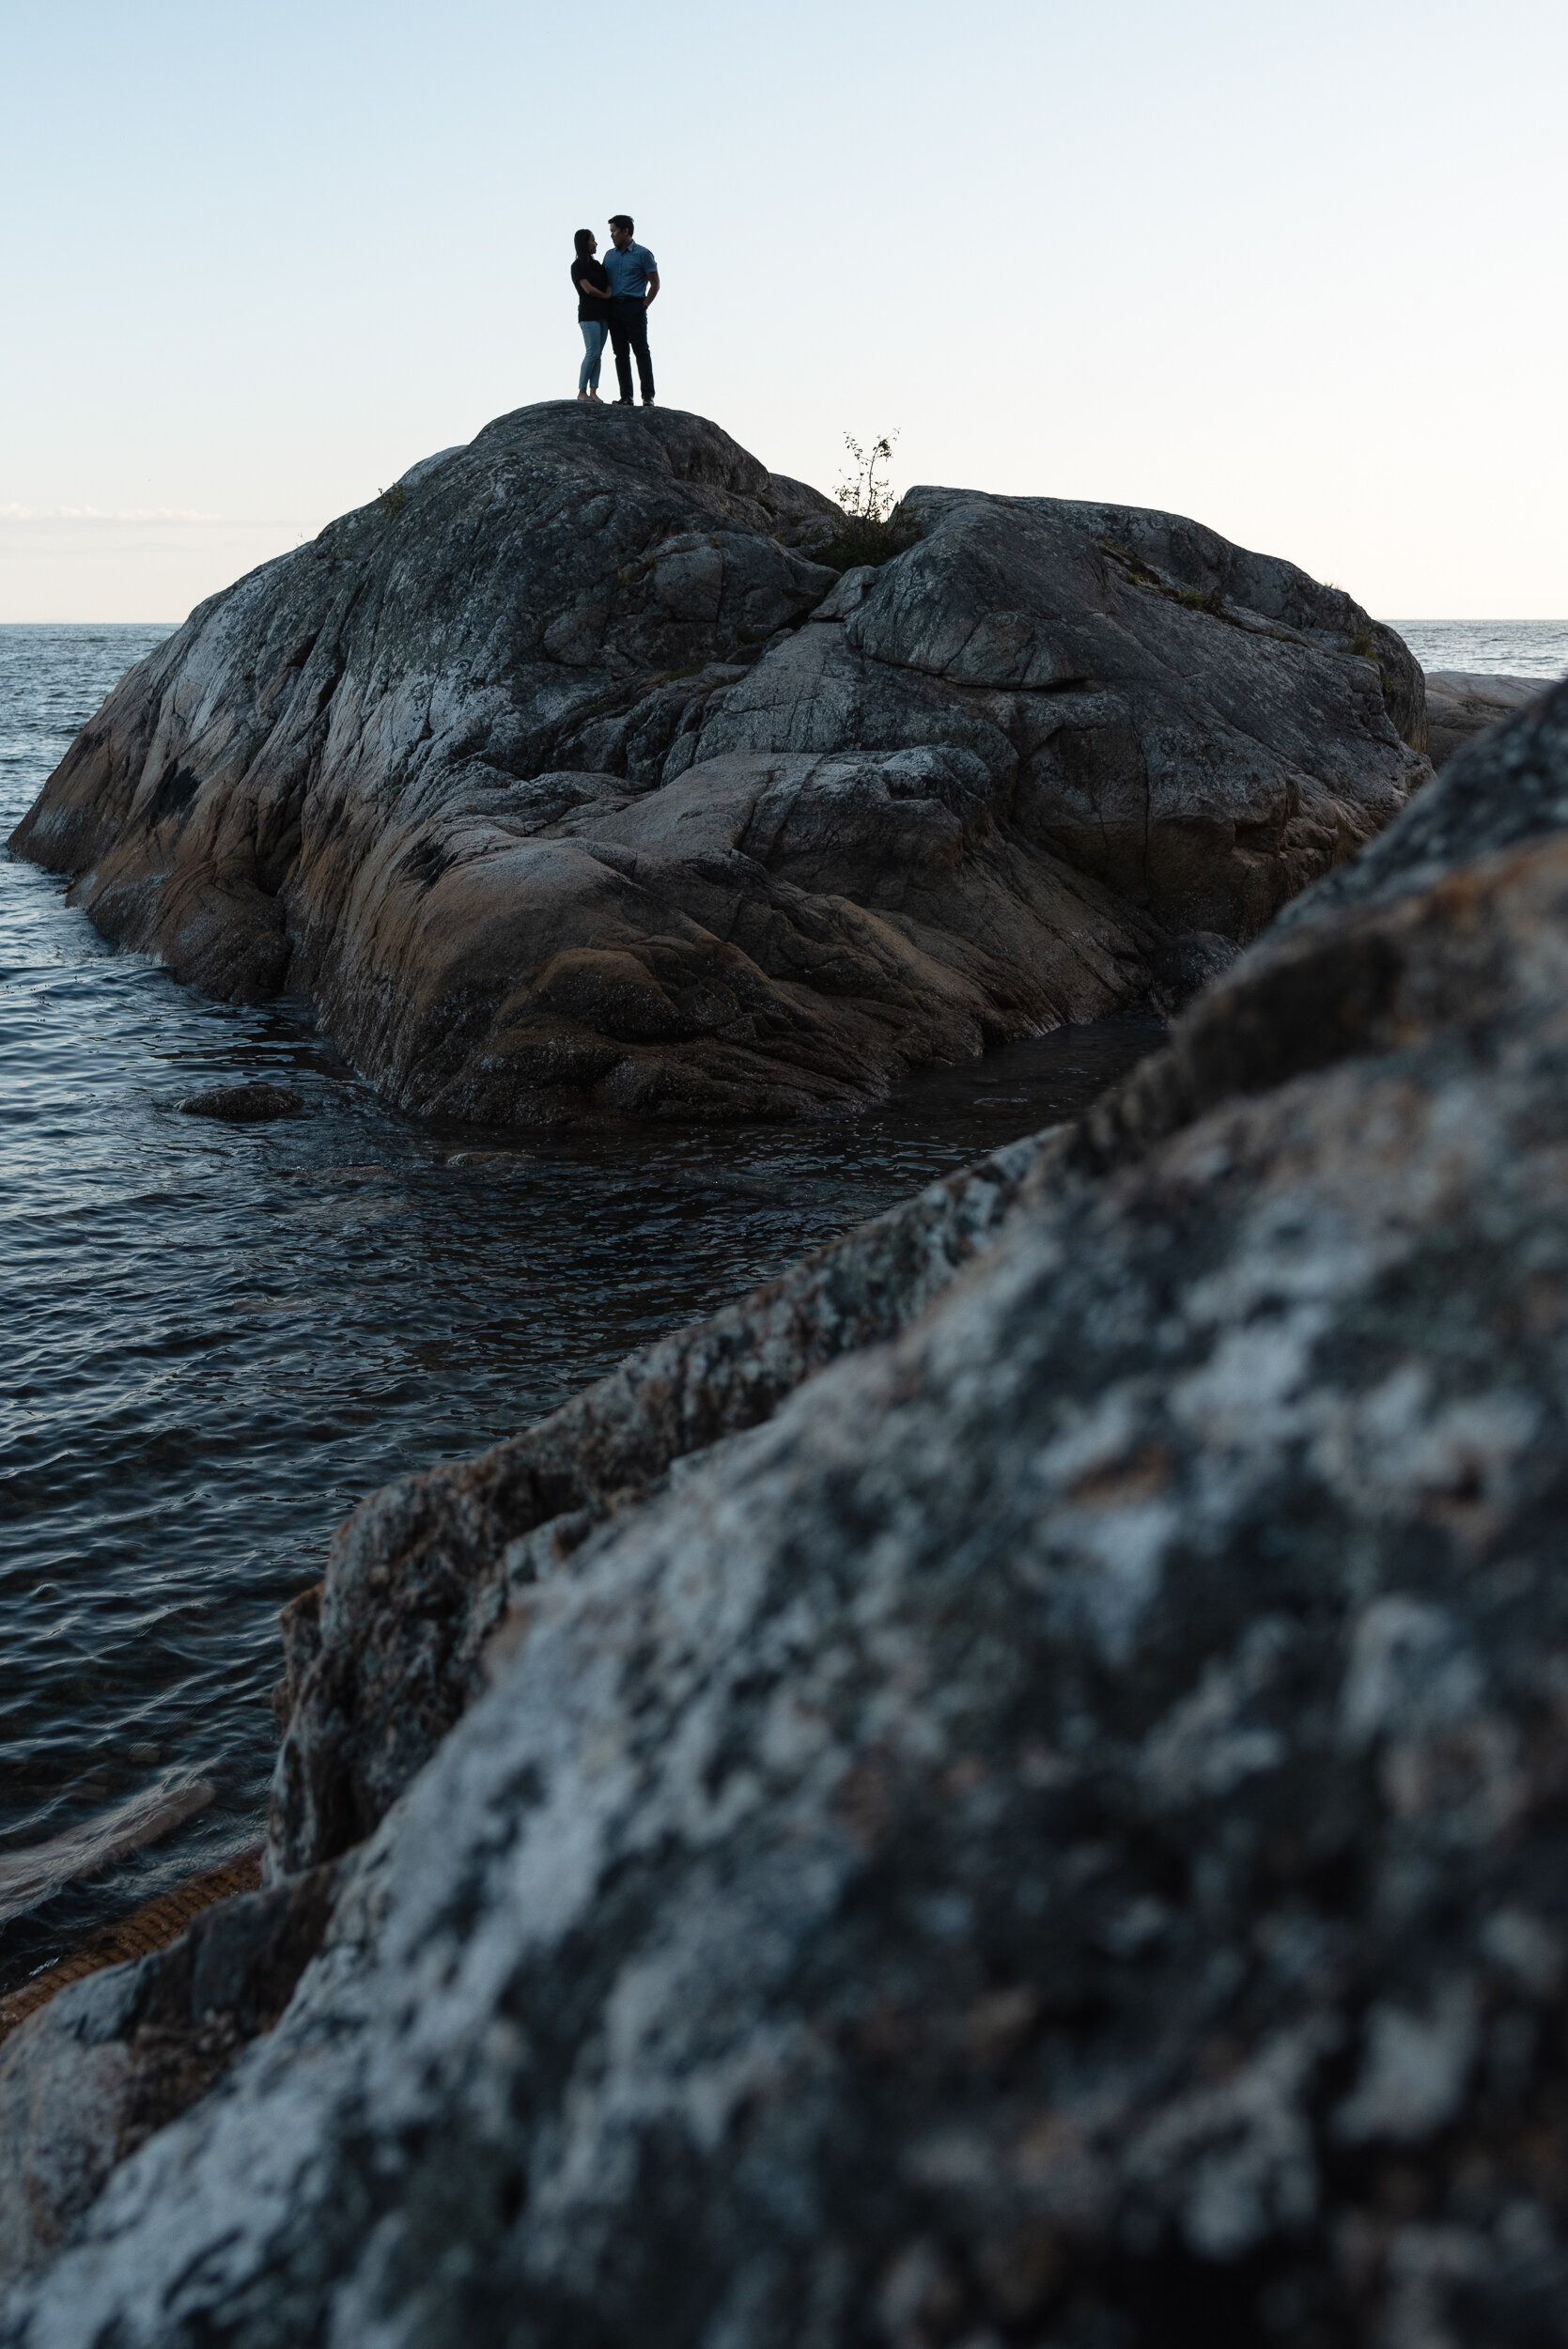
1491	647
219	1337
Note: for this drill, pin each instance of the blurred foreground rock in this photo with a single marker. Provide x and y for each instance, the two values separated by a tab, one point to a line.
1054	1835
568	782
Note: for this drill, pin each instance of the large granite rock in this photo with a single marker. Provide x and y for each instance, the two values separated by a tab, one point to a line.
1055	1835
568	783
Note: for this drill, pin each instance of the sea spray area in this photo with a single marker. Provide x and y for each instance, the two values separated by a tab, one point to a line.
221	1337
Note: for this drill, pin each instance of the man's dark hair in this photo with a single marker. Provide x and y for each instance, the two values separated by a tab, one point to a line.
585	242
624	220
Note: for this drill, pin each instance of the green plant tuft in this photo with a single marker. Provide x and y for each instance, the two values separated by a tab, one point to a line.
874	528
393	501
1140	574
1133	565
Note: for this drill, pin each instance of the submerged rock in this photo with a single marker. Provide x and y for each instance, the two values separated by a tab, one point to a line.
1055	1835
244	1105
567	783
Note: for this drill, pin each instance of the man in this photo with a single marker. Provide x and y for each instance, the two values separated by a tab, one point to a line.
633	275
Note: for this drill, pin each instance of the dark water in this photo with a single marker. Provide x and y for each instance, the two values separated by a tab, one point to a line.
219	1338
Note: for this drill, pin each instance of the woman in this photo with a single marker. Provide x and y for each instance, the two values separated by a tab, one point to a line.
593	310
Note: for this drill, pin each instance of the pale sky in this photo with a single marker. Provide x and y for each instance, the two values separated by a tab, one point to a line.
1297	270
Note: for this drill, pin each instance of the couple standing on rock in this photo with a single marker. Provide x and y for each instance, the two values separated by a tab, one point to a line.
614	298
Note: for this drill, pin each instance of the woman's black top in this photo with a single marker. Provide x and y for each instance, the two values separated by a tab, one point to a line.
596	275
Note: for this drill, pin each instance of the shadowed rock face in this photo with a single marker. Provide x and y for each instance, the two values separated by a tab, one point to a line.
115	2057
1056	1834
1461	703
569	784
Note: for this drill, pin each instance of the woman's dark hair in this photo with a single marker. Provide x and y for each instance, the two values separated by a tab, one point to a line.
585	242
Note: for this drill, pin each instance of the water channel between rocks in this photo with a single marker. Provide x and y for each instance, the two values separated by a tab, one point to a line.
219	1338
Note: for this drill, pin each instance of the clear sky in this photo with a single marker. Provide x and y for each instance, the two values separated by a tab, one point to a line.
1297	270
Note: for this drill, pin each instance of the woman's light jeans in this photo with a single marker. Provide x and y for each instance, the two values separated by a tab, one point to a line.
594	333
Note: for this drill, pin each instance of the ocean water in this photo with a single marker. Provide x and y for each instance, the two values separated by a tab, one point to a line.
220	1338
1494	648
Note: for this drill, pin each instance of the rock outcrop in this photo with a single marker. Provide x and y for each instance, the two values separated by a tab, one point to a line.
568	782
1463	703
1055	1835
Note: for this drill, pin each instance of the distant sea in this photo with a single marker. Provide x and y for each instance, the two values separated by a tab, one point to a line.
1490	647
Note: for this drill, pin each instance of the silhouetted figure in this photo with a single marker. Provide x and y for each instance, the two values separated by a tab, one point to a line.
633	286
593	310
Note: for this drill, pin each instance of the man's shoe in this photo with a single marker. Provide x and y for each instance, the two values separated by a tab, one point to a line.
647	403
623	403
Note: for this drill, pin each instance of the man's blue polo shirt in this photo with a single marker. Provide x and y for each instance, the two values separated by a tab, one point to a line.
629	272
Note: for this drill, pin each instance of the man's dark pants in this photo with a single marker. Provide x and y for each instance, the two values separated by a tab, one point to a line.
628	332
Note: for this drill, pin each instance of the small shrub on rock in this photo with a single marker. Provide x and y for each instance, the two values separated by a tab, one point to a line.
874	528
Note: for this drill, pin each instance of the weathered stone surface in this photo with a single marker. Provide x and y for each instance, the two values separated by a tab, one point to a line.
1463	703
118	2055
244	1105
1055	1836
567	783
1506	789
1206	772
